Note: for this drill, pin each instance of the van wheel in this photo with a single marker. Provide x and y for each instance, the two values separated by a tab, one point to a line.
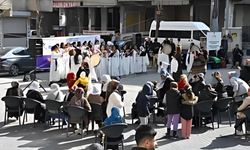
14	70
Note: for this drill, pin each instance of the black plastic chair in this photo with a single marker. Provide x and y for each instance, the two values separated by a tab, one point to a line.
246	111
30	104
222	105
76	112
204	109
96	113
13	104
122	95
109	133
53	108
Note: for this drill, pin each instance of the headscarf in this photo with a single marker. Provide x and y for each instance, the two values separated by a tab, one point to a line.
78	96
71	79
214	80
114	118
83	74
106	78
233	74
95	90
54	87
34	86
200	75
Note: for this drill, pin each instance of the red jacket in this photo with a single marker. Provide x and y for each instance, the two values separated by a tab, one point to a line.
182	84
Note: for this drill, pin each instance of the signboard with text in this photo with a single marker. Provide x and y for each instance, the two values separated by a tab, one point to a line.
213	40
66	4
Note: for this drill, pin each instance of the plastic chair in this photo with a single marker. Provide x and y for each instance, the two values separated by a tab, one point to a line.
109	133
53	108
30	104
222	105
76	112
96	113
204	109
122	95
13	104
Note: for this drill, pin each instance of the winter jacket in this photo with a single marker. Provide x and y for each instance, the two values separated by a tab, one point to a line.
173	102
143	101
187	109
239	86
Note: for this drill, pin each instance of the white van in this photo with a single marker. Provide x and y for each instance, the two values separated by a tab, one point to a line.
187	31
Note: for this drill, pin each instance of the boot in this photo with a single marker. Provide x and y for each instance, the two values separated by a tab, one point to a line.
168	133
175	137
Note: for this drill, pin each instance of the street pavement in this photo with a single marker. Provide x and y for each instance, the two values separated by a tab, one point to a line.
26	137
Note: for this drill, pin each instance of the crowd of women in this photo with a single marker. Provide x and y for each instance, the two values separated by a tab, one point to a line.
70	57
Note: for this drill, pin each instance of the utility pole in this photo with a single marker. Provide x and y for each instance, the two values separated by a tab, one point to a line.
158	17
214	15
227	16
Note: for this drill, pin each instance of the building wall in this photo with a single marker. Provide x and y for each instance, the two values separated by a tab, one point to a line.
241	13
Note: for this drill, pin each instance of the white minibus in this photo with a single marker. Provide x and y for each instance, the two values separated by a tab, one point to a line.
187	31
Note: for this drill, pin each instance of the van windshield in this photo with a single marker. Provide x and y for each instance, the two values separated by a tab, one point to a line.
172	34
197	34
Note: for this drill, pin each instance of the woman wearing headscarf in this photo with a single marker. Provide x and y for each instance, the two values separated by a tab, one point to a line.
105	79
218	85
82	82
94	96
79	100
114	118
34	93
199	84
113	97
143	103
14	91
71	79
240	87
65	62
55	93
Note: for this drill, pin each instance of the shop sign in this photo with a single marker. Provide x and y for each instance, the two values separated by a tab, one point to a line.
66	4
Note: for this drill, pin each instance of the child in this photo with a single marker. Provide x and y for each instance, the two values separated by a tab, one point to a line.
173	101
187	111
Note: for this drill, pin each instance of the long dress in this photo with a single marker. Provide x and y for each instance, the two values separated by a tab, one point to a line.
55	67
145	63
65	63
74	67
165	61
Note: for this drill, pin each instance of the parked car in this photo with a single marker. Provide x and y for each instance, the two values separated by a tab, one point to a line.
15	60
120	44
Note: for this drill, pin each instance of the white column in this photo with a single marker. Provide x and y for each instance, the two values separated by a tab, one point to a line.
104	19
91	17
231	14
191	12
122	19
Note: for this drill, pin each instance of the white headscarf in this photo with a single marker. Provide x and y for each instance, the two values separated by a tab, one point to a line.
83	74
95	90
34	86
54	87
105	78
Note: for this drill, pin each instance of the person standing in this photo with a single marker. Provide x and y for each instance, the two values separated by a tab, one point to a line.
224	45
176	75
55	69
172	50
187	111
173	102
237	55
155	48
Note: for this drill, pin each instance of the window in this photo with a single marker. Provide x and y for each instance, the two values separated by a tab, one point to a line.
4	51
172	34
21	51
198	34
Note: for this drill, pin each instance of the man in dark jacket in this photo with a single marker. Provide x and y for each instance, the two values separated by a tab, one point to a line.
145	138
173	49
155	48
237	55
221	53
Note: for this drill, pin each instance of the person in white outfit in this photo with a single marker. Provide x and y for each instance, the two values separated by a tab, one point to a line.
55	93
76	61
55	66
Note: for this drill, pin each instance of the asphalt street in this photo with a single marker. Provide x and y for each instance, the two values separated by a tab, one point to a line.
26	137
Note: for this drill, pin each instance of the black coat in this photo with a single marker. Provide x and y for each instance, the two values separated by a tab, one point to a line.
219	88
187	111
143	101
176	75
161	92
221	54
198	86
237	54
155	47
224	44
40	111
245	74
207	95
14	92
173	102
